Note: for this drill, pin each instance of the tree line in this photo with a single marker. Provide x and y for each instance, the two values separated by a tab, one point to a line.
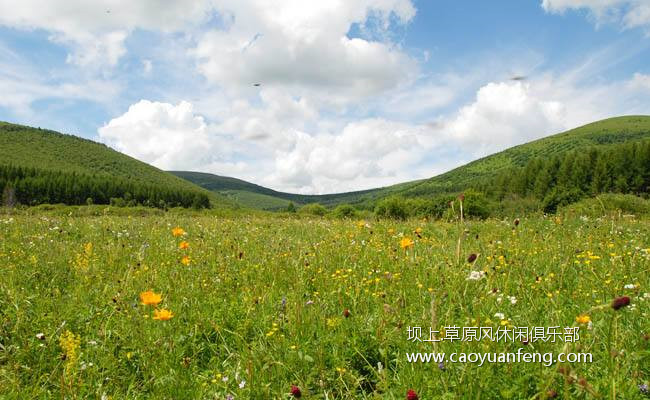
33	186
563	179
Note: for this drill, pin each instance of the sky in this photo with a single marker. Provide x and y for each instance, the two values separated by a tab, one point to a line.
352	94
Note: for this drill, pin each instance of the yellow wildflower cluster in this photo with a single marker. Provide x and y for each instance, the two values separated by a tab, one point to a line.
70	343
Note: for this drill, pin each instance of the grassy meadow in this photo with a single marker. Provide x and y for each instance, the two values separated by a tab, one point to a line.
251	305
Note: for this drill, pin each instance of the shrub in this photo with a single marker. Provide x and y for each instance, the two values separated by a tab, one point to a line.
392	207
313	209
345	211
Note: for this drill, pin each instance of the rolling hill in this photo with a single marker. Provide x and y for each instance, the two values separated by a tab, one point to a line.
46	150
602	133
256	196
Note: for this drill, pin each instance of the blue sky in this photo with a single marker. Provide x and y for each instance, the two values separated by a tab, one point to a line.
353	95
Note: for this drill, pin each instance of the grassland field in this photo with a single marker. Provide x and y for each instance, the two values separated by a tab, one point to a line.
252	305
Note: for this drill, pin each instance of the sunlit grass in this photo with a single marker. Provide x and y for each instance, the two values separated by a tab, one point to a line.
177	307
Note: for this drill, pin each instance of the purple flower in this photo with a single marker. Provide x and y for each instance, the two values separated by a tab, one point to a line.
643	388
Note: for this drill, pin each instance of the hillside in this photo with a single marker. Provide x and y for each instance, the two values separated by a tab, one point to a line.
50	151
602	133
256	196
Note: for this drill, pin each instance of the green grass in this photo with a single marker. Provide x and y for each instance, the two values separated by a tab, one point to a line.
263	298
44	149
256	200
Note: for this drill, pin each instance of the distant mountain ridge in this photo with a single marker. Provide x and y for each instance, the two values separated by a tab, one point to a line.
601	133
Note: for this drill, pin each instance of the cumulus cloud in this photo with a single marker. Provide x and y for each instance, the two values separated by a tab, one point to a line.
304	47
629	13
504	114
367	153
161	134
95	31
286	143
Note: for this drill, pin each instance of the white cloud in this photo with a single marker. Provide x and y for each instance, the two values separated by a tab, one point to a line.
629	13
95	31
22	85
286	143
304	48
160	134
366	153
504	114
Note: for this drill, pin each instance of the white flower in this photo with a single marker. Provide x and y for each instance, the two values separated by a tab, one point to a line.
513	300
500	315
242	384
475	276
630	286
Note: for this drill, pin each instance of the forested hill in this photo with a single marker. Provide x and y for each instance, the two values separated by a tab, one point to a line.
28	156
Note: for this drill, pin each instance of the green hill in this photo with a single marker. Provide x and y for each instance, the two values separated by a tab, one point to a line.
256	196
47	151
602	133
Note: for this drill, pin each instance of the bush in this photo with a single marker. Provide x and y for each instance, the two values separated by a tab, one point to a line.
558	197
313	209
345	211
608	203
392	207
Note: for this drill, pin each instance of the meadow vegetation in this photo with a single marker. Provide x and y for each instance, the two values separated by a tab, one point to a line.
96	303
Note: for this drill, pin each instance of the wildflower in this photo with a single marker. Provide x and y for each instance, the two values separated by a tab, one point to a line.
40	336
406	243
629	286
346	313
411	395
162	315
70	343
583	319
185	260
150	298
620	302
461	197
516	221
643	388
242	384
513	300
472	257
441	366
551	394
295	391
476	275
183	245
178	231
499	315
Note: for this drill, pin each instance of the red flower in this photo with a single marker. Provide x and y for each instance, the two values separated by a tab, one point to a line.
346	313
620	302
411	395
295	391
471	258
461	197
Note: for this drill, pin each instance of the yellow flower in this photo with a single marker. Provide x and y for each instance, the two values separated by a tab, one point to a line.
183	245
406	243
178	231
583	319
162	315
70	343
185	260
150	298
